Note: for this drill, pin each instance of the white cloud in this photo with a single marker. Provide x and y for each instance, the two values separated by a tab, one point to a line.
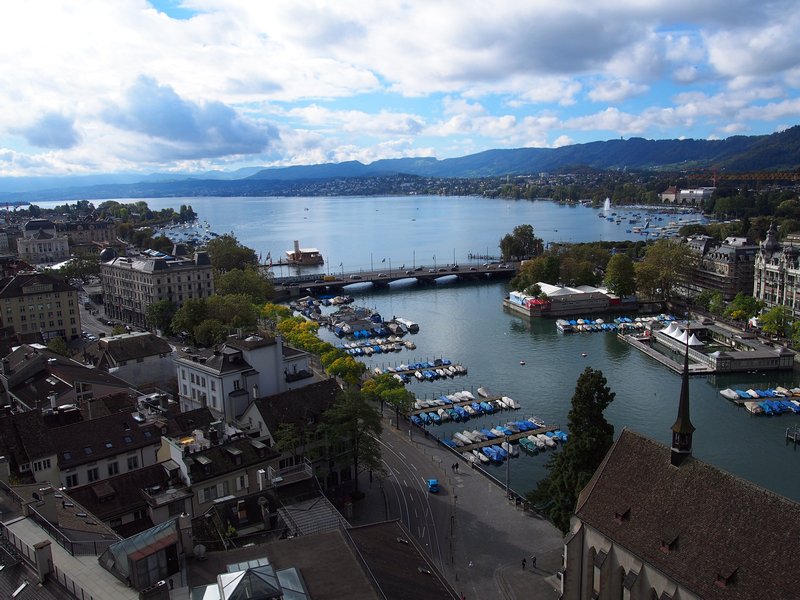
616	91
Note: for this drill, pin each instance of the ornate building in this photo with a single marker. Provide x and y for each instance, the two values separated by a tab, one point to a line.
41	243
776	280
726	268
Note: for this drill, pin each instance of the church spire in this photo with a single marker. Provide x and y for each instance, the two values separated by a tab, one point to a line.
682	429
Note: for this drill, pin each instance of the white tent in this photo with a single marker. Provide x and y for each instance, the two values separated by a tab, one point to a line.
671	329
684	337
693	341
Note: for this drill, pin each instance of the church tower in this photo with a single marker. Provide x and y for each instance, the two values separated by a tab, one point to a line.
683	429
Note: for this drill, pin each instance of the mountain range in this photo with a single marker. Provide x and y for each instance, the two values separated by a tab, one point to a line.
775	152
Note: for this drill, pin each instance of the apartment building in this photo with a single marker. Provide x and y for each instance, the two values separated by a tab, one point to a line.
40	307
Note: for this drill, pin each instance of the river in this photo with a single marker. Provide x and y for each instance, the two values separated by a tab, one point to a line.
467	324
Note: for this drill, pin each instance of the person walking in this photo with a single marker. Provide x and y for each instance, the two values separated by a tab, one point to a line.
523	564
533	561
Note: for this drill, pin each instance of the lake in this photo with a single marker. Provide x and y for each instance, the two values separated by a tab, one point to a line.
466	322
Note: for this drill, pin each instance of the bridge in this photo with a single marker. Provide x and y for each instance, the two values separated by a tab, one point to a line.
322	283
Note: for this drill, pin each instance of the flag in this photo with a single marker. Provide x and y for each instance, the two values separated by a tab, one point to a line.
384	260
269	259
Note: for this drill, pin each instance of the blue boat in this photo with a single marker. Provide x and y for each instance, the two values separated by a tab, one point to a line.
502	454
476	407
776	407
453	414
449	443
743	395
488	433
505	430
445	399
487	408
461	412
416	420
766	407
552	436
524	425
491	454
437	420
561	435
426	418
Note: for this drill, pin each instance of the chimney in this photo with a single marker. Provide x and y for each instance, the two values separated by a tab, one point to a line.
45	504
6	369
297	249
43	555
53	397
5	469
255	391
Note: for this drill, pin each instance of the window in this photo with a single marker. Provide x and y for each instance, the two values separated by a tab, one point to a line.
72	480
113	469
41	465
213	385
240	483
235	385
133	462
93	474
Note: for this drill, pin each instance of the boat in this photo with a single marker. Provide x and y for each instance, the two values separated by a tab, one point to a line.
562	435
536	421
486	407
481	437
503	454
729	394
512	427
491	454
416	420
426	418
547	441
488	433
461	412
510	448
497	432
437	420
454	416
460	436
467	395
481	456
457	442
539	443
470	411
476	407
510	402
483	392
552	436
528	446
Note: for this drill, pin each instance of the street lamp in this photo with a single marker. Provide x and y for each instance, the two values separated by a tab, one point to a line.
434	262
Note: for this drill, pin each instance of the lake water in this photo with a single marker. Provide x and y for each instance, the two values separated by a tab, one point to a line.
467	324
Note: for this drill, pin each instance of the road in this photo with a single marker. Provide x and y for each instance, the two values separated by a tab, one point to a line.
473	533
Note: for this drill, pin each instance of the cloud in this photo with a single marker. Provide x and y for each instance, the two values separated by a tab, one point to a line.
52	130
616	91
179	128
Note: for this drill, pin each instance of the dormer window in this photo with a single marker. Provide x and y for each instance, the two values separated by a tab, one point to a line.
669	543
724	580
622	515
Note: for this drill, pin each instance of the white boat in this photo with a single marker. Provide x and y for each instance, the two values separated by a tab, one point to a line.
467	395
459	443
539	443
440	372
510	402
548	441
502	403
483	392
729	394
753	393
419	375
536	421
378	371
477	434
470	411
473	458
512	449
753	408
463	438
498	433
481	456
470	436
444	414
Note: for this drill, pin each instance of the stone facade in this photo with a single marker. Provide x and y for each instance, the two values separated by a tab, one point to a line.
776	280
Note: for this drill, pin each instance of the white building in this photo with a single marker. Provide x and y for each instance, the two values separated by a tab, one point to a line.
40	243
228	378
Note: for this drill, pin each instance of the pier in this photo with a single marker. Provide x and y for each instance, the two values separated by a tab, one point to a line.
639	342
507	438
793	436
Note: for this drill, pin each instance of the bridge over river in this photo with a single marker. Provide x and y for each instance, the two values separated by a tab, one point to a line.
324	283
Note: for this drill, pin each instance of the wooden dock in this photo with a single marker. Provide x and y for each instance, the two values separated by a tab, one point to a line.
411	372
793	436
511	438
417	411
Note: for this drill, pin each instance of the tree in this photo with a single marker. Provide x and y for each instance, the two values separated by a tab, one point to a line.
388	390
59	346
776	321
352	421
288	438
666	264
190	315
247	281
210	332
521	243
234	310
743	306
620	276
590	438
81	266
160	314
540	269
226	253
118	329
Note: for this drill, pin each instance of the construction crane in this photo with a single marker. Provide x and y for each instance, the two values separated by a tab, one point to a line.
715	177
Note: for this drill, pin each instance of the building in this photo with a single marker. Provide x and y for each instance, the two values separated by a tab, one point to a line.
131	284
688	197
40	307
41	243
89	233
561	300
245	367
35	378
140	358
776	280
657	523
727	268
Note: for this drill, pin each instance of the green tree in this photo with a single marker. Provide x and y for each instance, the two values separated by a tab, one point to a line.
190	315
666	264
287	438
118	329
521	243
234	310
590	438
226	253
388	390
160	314
620	276
545	269
776	321
59	346
210	332
247	281
81	266
743	306
352	421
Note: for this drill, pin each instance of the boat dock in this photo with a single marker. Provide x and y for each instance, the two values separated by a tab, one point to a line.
639	342
417	411
510	438
793	436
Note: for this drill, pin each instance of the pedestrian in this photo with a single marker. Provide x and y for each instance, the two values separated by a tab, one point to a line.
456	467
523	563
470	564
533	561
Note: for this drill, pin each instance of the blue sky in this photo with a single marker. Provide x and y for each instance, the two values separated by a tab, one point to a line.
190	85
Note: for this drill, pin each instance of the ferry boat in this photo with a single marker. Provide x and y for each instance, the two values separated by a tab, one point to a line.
303	256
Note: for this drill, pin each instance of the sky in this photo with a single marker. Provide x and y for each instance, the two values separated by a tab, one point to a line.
119	86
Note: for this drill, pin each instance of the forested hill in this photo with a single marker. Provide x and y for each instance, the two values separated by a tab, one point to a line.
775	152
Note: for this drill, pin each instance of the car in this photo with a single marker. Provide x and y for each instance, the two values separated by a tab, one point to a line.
454	268
420	269
318	281
433	485
382	275
442	270
431	270
409	272
355	276
473	269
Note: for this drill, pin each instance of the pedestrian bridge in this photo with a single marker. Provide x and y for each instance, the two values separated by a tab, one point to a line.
322	283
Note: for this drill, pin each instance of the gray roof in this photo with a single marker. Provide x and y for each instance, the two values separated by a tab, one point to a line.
127	346
716	523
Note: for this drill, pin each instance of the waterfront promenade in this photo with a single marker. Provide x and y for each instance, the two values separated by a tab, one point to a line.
481	537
